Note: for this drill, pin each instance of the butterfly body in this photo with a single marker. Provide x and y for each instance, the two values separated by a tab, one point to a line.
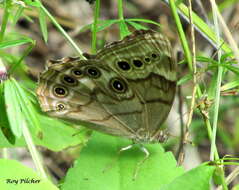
126	89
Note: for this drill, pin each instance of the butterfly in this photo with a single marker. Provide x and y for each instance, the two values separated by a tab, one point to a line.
126	89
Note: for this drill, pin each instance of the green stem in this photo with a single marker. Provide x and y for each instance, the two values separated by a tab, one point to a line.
6	14
58	26
25	53
32	148
189	59
218	87
120	10
94	30
181	34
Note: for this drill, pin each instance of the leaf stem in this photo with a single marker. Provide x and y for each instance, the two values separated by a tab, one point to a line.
95	24
219	80
58	26
6	14
32	148
120	10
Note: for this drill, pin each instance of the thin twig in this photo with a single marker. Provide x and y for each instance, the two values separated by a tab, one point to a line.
217	93
228	35
181	115
190	115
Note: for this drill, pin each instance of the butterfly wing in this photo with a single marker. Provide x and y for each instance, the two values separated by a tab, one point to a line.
80	90
145	60
126	89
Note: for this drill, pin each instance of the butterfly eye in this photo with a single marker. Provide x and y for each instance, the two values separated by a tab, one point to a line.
118	85
60	107
123	65
69	80
93	72
137	63
77	73
60	91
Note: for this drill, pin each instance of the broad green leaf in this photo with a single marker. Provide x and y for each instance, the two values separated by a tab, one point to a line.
15	176
4	124
14	111
27	108
43	24
56	135
195	179
101	167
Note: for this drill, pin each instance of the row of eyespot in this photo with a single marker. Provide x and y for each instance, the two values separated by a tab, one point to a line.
124	65
116	84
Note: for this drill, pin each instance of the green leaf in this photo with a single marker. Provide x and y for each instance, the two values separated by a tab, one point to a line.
212	86
230	85
206	60
236	187
18	14
14	176
4	124
27	108
14	112
105	24
101	167
185	79
33	3
196	179
136	25
124	31
203	27
43	24
12	43
232	68
56	135
142	20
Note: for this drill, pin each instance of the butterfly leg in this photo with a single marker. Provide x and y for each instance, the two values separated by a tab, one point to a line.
139	164
126	148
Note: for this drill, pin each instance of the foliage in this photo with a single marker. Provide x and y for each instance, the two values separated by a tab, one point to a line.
19	108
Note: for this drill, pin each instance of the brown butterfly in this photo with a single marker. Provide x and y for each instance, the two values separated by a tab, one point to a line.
126	89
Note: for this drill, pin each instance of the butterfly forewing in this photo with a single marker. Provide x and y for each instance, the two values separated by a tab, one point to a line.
126	89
